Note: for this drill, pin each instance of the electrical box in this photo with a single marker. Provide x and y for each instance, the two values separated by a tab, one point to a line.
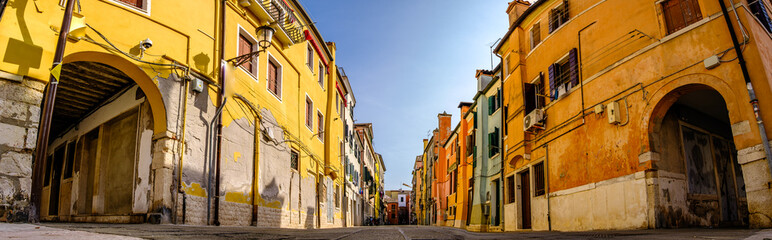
712	62
614	116
198	85
599	108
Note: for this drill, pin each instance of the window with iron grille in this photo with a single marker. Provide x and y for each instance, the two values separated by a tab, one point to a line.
760	9
337	196
535	35
294	156
564	75
680	14
511	189
538	179
558	16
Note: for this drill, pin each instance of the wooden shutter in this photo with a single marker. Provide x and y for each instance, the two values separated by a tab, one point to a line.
552	18
245	47
135	3
680	13
573	69
273	79
553	82
491	103
529	97
320	126
539	92
535	35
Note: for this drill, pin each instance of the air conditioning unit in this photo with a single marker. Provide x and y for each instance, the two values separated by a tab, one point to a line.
533	119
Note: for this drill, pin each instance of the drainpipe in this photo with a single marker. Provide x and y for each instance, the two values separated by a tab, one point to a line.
578	60
501	149
180	189
255	156
547	185
212	158
41	149
752	94
221	100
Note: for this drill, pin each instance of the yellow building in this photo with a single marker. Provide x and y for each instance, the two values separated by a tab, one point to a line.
634	114
147	92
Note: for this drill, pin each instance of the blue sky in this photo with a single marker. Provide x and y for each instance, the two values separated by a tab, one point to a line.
407	61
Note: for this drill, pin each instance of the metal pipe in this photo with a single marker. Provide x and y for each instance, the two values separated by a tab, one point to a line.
579	61
220	99
41	149
256	154
212	141
180	189
752	94
547	185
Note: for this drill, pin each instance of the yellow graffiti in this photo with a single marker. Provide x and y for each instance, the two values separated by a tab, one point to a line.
236	156
195	189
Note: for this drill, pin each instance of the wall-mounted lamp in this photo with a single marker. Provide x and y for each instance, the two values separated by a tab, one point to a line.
264	37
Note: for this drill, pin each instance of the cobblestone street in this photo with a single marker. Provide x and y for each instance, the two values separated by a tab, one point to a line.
146	231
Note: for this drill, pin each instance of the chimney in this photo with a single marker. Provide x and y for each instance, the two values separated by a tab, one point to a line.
444	122
516	9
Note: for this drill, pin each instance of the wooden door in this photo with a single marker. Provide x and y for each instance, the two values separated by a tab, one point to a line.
525	198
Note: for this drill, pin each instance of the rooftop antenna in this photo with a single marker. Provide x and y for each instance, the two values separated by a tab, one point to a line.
491	47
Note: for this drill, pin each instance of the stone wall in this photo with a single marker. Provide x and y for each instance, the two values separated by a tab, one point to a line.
20	100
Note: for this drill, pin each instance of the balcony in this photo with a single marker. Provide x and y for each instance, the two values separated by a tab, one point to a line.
280	15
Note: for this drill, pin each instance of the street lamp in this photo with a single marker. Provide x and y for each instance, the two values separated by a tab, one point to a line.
264	37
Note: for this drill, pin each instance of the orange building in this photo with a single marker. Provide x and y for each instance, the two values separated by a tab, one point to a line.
637	123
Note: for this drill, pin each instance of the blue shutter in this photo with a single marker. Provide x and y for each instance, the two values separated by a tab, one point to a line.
573	63
553	83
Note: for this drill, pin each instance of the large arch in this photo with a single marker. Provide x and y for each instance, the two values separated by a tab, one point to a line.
144	82
661	99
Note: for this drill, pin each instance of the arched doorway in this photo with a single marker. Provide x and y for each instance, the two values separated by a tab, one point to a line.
105	114
700	183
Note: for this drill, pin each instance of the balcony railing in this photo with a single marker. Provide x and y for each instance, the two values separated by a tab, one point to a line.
285	17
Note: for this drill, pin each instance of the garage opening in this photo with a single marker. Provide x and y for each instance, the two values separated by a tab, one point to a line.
701	183
93	171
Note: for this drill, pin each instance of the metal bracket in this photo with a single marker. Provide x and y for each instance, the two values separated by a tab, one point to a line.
237	61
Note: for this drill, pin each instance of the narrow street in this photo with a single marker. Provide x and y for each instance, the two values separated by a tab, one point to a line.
148	231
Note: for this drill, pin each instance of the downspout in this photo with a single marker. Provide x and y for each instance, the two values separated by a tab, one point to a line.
752	94
211	153
255	156
579	63
221	100
547	185
41	149
503	151
180	189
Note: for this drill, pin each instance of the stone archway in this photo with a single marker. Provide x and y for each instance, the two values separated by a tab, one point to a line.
692	145
144	82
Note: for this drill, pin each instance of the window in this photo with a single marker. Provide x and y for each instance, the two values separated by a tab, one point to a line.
533	94
558	16
538	179
321	75
134	3
680	13
294	157
274	77
320	126
511	189
564	75
310	57
337	196
246	46
535	35
759	9
309	113
494	102
493	139
470	142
